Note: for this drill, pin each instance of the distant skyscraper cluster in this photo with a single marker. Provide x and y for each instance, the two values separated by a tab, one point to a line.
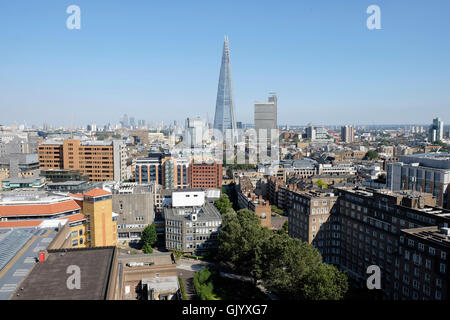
130	123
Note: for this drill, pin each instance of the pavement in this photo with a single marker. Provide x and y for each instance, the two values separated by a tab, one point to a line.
192	265
19	267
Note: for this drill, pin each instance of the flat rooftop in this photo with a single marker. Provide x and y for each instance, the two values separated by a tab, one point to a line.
157	258
17	197
437	160
82	142
430	233
205	213
47	280
68	183
162	283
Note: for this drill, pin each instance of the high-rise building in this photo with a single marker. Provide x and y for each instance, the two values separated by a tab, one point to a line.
132	123
194	132
100	160
347	134
266	116
436	131
224	116
125	121
311	132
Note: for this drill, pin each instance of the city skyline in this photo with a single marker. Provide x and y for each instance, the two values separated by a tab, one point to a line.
316	57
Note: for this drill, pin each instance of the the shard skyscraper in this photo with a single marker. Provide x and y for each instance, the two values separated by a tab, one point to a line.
224	116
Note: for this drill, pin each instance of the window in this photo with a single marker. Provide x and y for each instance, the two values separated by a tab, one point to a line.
406	254
442	267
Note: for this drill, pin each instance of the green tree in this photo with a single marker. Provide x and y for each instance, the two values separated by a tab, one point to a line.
203	284
102	136
177	253
147	248
239	238
276	210
324	282
283	262
182	288
284	228
288	267
223	204
322	184
149	235
372	155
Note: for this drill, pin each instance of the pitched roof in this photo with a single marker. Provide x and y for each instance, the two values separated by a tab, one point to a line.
97	192
74	217
76	195
20	223
38	209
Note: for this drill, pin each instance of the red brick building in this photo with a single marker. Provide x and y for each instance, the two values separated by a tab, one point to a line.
205	175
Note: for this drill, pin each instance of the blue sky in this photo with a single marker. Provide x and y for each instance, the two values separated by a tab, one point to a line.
160	60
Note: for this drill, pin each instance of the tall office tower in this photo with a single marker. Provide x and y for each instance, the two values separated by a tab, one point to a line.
132	123
311	132
125	121
193	133
266	116
347	134
224	116
436	131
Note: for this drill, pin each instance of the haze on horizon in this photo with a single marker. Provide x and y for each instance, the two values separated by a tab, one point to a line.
160	61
